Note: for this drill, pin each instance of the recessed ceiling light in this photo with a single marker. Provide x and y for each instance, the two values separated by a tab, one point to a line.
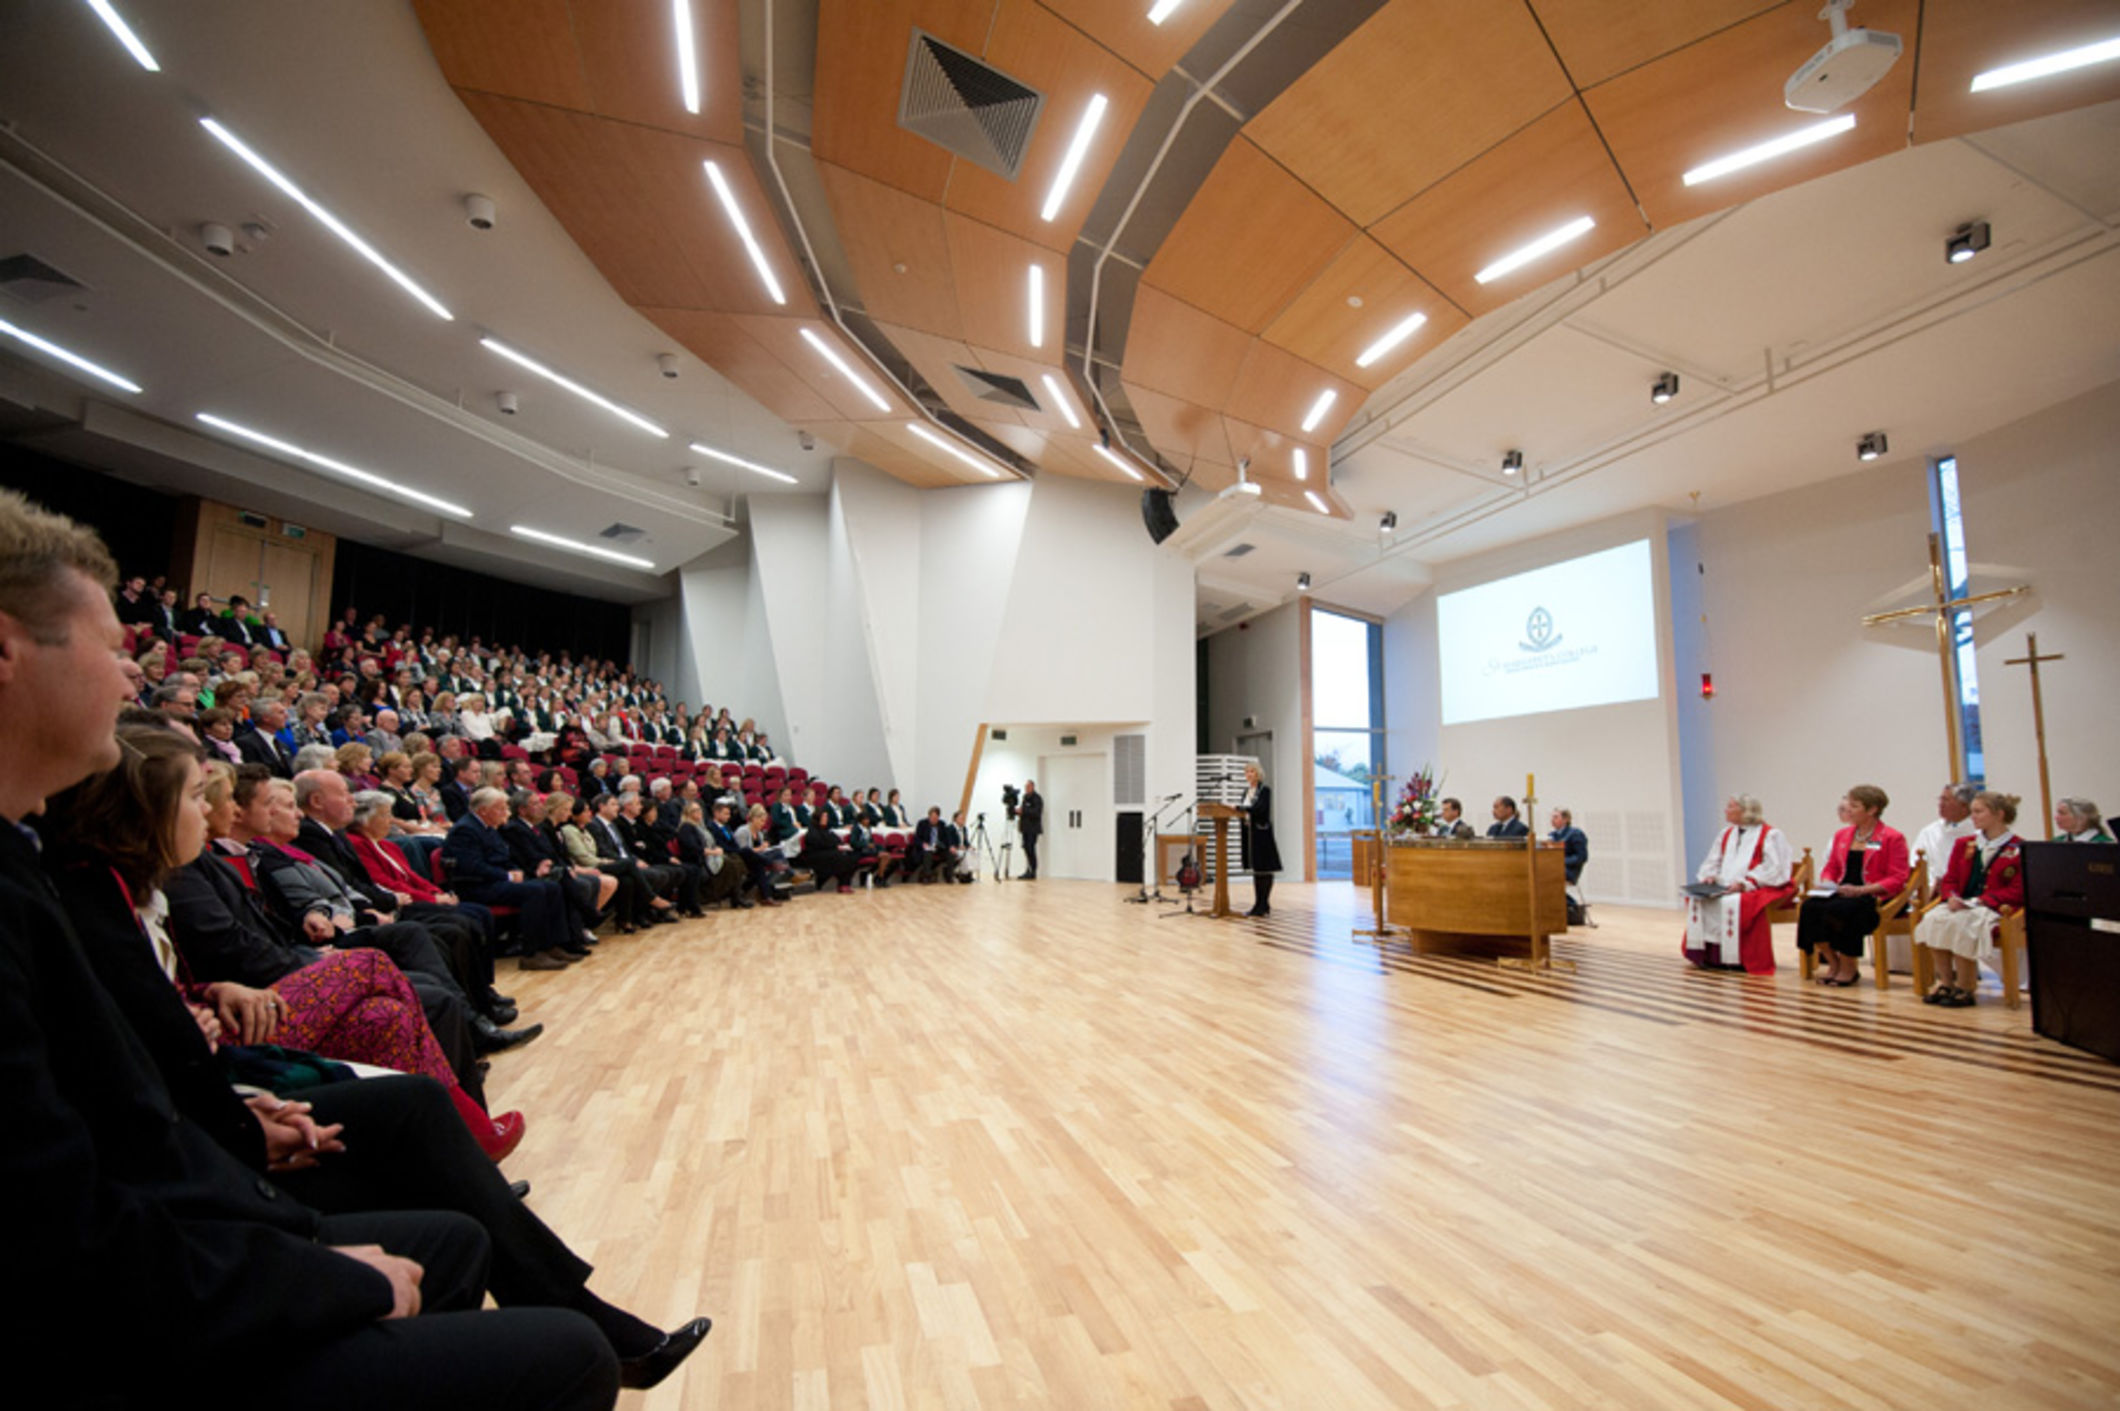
1118	460
1037	305
738	461
521	360
1302	463
1318	409
1512	462
1400	332
831	355
577	546
687	53
1768	151
1063	401
1077	149
743	231
2104	51
1317	504
1163	10
44	345
119	27
336	467
1546	244
954	449
331	222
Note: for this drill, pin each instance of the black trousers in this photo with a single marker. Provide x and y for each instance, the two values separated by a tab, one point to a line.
449	1357
464	934
1839	923
543	921
1030	854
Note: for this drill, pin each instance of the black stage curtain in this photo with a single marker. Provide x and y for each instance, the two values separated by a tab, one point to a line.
426	594
134	521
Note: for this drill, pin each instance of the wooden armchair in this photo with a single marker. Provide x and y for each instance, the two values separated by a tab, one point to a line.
1896	915
1800	876
2009	939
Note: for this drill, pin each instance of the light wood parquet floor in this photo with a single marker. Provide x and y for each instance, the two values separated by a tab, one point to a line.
1026	1145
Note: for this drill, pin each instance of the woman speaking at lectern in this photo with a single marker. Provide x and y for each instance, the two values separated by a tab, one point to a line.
1260	853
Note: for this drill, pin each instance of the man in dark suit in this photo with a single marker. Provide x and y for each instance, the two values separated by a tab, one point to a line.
1453	824
484	871
1030	822
199	622
134	603
262	743
137	1246
1575	844
234	624
1506	824
269	634
456	789
163	620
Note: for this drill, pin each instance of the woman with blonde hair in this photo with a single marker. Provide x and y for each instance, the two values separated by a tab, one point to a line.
1985	876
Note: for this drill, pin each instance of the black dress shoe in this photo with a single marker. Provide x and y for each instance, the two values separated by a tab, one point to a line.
742	903
519	1189
648	1369
489	1037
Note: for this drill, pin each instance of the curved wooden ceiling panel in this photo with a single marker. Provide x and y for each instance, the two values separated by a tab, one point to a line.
1422	88
1597	39
724	344
1175	348
1960	38
1122	26
1362	295
517	48
992	269
861	54
901	260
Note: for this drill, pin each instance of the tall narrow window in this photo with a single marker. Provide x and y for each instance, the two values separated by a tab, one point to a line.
1949	517
1347	731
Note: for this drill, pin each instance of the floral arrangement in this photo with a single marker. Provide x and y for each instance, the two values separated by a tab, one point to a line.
1419	806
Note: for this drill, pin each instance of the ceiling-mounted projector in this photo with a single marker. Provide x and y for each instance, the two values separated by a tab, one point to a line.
1848	67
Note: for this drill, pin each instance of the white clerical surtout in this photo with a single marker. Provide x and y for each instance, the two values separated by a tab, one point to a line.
1752	856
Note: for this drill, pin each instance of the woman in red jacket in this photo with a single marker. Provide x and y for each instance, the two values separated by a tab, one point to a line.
1986	875
1868	861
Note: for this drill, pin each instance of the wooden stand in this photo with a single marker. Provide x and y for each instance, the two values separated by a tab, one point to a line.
1222	814
1453	896
1369	850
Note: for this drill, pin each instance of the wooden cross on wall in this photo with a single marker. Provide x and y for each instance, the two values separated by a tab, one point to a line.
2031	658
1940	612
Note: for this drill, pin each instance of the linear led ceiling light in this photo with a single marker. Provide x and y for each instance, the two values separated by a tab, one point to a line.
1318	409
1036	295
1077	149
740	463
2104	51
1545	245
577	546
831	355
1118	460
954	449
1302	461
687	53
1768	151
1062	401
355	473
1317	504
119	27
1163	10
52	349
1399	333
520	360
331	222
734	212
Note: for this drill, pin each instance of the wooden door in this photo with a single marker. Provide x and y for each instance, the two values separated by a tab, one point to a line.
288	580
232	565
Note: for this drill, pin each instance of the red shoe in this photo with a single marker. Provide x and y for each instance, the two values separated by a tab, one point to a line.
845	887
506	1136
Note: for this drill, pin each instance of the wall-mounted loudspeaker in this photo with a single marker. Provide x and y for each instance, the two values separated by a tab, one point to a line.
1157	514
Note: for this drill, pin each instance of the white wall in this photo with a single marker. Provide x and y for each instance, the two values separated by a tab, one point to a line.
1255	669
1809	702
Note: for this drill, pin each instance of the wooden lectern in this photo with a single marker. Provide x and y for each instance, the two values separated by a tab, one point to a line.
1222	814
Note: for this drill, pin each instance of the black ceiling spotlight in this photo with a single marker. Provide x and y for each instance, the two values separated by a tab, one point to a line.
1664	388
1871	446
1512	462
1303	581
1969	240
1389	522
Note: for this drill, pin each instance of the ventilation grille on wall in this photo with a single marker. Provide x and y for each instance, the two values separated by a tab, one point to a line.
1238	551
1130	770
33	281
965	107
1000	388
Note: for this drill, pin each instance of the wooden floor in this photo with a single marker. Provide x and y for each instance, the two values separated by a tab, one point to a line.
1026	1145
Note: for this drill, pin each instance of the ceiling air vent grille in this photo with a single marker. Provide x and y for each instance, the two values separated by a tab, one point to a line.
1232	614
1239	551
958	103
33	281
998	387
622	534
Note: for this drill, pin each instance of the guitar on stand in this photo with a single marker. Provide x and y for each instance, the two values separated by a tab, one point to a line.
1188	871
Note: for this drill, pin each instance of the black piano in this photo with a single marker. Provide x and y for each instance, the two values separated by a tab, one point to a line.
2072	932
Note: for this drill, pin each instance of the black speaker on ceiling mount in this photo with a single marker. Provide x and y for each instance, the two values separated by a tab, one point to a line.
1157	514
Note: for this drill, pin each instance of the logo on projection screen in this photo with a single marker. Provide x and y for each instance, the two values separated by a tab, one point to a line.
1539	628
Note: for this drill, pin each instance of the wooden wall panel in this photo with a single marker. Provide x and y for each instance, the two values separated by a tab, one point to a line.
1724	94
1122	26
1173	347
1960	38
1597	39
1537	181
628	53
1320	326
519	48
1033	45
1249	241
1420	89
883	228
861	53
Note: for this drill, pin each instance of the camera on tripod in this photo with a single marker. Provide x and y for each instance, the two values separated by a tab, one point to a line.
1010	797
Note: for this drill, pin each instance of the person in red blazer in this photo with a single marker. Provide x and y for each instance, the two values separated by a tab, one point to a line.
1986	876
1868	861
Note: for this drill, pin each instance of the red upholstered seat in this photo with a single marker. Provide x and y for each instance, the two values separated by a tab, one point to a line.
665	751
